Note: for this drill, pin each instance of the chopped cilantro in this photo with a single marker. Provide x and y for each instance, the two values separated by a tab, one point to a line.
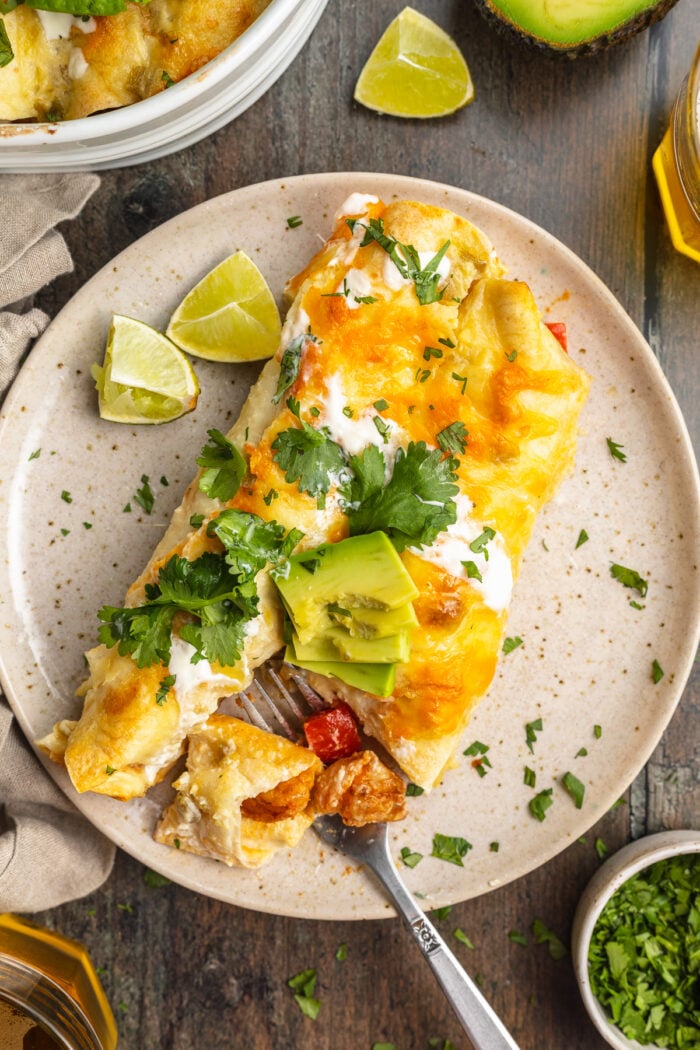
126	907
531	730
310	458
616	450
462	380
539	805
414	789
406	260
448	342
597	732
575	788
289	365
509	644
461	936
479	545
643	955
303	986
629	578
144	496
529	777
223	467
155	880
383	428
126	509
166	78
582	538
6	52
409	858
196	520
657	672
272	494
381	405
442	913
635	605
543	935
414	506
87	524
512	355
431	351
581	753
383	1046
35	454
164	688
494	846
109	770
65	532
451	848
293	221
472	571
366	300
601	849
453	438
517	938
477	748
348	412
422	374
164	481
341	952
66	497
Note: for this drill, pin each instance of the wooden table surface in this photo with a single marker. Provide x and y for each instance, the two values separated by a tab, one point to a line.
569	145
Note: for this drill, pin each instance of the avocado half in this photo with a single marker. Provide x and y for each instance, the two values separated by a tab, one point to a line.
573	27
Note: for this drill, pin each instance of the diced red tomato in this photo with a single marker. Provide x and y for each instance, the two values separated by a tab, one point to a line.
558	330
333	733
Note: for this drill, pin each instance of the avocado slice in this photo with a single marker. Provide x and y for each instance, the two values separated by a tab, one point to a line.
372	623
360	572
337	644
573	27
378	679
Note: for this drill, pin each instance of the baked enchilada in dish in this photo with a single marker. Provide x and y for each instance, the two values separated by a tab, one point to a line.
55	65
367	514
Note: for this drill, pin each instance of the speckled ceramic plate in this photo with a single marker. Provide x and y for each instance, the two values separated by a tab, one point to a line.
587	653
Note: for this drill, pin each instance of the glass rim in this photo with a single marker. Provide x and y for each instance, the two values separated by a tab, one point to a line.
29	977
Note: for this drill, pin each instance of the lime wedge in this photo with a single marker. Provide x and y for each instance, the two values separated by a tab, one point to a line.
231	315
416	70
144	377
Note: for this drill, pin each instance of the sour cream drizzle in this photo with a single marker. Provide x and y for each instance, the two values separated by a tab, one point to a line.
57	25
451	548
358	431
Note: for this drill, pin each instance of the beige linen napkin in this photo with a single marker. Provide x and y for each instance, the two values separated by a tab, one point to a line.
49	853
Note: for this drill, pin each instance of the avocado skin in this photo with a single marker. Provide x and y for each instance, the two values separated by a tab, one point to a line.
623	32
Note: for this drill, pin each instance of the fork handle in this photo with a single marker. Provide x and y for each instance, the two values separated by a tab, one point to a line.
478	1019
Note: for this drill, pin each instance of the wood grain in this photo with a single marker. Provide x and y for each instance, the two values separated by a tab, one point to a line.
567	144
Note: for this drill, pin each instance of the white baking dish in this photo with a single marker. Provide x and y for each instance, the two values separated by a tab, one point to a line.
173	119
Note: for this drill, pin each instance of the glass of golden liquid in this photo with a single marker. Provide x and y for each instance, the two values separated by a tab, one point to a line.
677	167
50	995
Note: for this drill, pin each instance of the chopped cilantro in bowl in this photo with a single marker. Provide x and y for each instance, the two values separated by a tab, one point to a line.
636	944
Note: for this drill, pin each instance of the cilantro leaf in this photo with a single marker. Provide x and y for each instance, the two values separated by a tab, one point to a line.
629	578
616	450
154	880
309	457
289	365
575	788
509	644
453	438
81	7
6	52
164	688
657	672
414	506
539	805
409	858
250	541
450	848
531	731
543	935
303	986
223	467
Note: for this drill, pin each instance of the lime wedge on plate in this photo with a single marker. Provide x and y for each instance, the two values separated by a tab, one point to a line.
416	70
144	378
231	315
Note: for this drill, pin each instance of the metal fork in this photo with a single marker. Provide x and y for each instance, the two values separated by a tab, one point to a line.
370	845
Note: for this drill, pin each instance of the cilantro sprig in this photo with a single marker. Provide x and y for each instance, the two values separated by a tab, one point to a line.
309	457
223	467
414	506
213	596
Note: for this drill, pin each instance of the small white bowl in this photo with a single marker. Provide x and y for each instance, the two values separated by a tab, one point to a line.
610	876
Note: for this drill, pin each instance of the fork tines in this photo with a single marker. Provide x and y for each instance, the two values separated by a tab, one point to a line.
270	705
